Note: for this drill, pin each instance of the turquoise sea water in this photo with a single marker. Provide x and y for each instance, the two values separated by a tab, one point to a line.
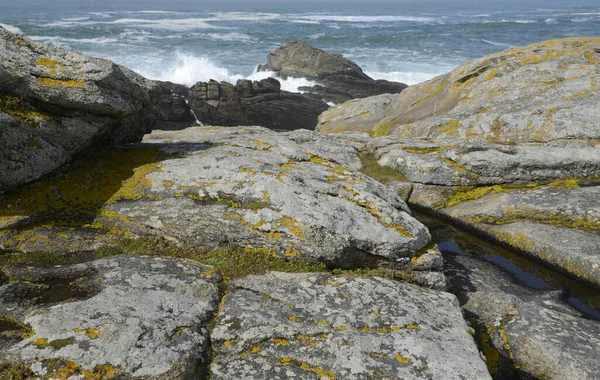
189	40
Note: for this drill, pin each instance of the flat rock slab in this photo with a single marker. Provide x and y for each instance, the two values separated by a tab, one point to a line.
130	316
297	194
542	335
448	162
319	326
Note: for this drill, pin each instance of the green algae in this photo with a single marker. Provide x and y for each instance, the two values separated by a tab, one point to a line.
75	194
370	167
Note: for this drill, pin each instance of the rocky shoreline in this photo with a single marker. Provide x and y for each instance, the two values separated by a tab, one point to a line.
136	244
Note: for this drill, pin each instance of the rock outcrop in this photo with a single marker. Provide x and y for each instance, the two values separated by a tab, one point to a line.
529	169
296	195
318	326
540	93
254	103
122	316
55	103
339	78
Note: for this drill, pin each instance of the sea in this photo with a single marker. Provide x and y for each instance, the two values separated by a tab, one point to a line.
186	41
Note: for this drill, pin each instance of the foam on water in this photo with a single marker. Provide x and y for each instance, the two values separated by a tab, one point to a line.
188	69
11	28
408	77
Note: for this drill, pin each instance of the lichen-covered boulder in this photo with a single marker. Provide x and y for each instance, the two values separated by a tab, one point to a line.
543	92
535	330
121	316
319	326
296	195
55	103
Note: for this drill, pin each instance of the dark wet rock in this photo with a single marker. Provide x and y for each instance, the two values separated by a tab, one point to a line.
524	332
319	326
339	78
254	103
55	103
174	108
122	316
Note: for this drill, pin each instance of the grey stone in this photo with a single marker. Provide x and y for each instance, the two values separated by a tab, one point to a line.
318	326
297	195
339	78
539	333
45	89
130	316
539	93
355	115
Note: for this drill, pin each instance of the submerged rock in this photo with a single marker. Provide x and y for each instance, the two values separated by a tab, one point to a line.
122	316
55	103
318	326
535	330
539	93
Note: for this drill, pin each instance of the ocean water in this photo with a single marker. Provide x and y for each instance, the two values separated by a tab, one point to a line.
185	41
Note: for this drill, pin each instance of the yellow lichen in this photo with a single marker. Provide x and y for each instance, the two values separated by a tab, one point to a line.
292	226
280	341
402	359
49	82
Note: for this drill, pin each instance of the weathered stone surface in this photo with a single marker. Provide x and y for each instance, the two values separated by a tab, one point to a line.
543	336
458	163
318	326
55	103
540	199
254	103
120	316
356	115
297	195
339	78
542	92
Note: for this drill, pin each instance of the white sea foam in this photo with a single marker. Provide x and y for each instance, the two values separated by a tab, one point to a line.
229	37
408	77
336	18
316	36
188	69
11	28
169	24
314	22
63	41
497	43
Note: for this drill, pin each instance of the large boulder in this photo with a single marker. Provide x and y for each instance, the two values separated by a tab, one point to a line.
296	195
55	103
319	326
254	103
122	316
339	78
539	93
